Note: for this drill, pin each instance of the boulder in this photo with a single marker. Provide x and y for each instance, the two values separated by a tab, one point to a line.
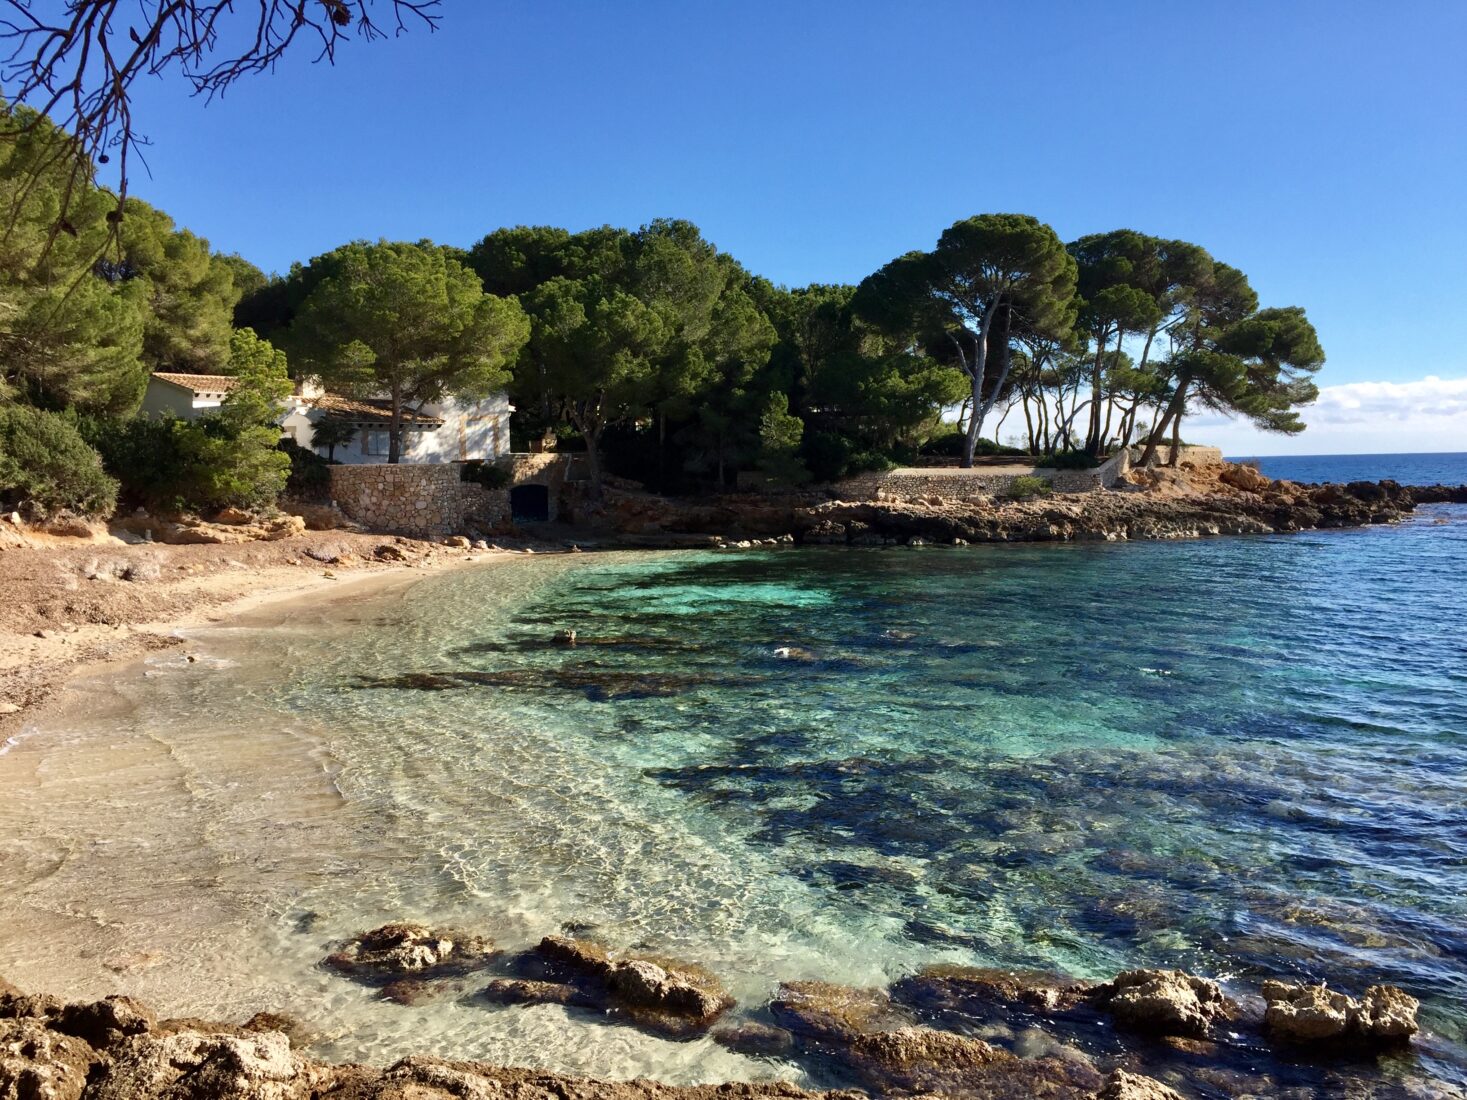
103	1023
666	997
1164	1002
37	1063
403	948
1305	1013
389	551
458	542
1121	1085
1387	1015
193	1066
1246	478
1384	1016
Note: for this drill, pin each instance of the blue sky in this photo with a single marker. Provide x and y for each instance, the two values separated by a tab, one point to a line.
1320	147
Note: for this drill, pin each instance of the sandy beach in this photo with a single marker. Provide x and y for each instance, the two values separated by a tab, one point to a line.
71	602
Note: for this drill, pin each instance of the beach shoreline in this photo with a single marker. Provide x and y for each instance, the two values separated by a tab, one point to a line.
67	610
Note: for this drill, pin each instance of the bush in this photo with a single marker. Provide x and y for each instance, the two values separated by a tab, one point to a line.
487	474
1027	488
1072	460
949	444
45	460
310	474
201	465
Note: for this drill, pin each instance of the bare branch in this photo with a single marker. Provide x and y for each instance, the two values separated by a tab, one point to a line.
78	66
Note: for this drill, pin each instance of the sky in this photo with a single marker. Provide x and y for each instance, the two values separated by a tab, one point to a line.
1319	147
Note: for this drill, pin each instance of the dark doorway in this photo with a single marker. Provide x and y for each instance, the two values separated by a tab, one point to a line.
530	503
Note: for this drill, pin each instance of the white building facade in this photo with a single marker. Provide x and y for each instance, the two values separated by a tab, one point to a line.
445	431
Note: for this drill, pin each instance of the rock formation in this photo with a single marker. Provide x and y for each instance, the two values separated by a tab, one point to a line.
667	997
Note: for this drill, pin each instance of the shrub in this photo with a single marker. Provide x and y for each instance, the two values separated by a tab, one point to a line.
487	474
310	474
45	460
1072	460
1027	488
192	465
949	444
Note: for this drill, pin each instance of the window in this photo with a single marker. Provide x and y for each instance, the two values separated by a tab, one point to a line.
375	443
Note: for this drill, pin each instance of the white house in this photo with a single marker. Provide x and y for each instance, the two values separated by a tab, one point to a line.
446	431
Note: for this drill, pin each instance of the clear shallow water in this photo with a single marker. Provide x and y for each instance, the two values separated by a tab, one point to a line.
1247	757
1408	469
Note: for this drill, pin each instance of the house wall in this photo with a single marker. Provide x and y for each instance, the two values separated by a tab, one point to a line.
165	399
423	500
476	430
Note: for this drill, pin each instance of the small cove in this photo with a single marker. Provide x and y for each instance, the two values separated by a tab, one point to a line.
1246	757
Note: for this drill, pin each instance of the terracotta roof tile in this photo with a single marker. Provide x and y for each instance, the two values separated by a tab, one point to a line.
199	383
350	408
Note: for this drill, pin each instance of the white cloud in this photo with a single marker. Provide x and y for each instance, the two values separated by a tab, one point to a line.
1428	414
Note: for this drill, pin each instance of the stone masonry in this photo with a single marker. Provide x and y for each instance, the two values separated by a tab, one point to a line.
423	500
980	483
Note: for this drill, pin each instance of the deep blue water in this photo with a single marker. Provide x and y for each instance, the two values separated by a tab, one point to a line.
1408	469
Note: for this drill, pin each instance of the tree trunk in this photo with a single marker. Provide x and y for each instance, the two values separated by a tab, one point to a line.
394	430
1092	434
1173	410
980	370
593	459
1176	439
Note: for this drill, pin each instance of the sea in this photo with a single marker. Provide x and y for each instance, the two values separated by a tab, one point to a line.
1245	757
1441	468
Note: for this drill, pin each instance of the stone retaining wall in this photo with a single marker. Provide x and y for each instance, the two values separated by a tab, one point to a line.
914	483
422	500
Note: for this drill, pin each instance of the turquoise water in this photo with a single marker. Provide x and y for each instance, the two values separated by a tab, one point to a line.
1246	757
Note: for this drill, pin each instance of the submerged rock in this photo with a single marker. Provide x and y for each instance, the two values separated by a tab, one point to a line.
1165	1002
978	991
1384	1016
877	1044
403	947
667	997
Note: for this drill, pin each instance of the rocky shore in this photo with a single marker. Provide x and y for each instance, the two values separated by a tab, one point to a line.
1159	503
946	1031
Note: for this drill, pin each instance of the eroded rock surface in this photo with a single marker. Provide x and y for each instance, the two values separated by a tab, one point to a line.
667	997
1384	1016
404	948
1165	1002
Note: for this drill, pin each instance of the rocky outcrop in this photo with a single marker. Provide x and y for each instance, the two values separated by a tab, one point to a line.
404	948
666	997
192	530
1384	1016
1121	1085
1165	1002
1191	502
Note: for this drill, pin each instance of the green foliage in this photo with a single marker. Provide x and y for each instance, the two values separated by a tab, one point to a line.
1072	460
310	474
332	432
779	443
67	339
405	320
1027	488
951	442
45	460
190	292
174	465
